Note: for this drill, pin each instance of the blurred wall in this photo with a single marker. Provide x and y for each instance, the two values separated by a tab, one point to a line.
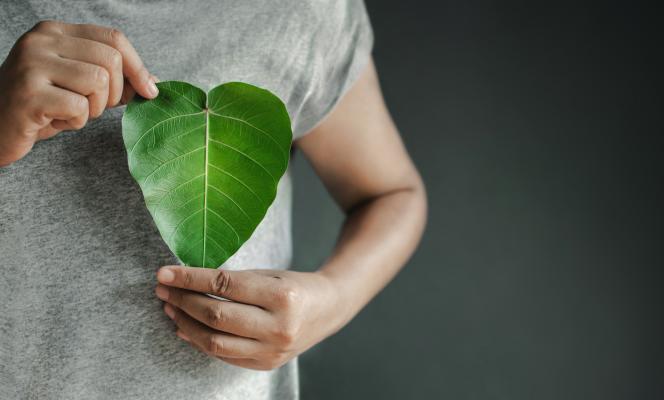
537	127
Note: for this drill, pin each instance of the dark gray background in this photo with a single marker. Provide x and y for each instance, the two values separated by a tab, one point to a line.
538	129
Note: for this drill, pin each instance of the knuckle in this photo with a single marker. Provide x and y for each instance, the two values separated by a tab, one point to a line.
213	345
101	77
39	115
46	26
221	283
78	104
187	279
28	49
286	333
116	37
114	58
215	316
286	296
80	118
28	42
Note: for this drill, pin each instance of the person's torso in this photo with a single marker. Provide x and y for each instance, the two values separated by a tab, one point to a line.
79	249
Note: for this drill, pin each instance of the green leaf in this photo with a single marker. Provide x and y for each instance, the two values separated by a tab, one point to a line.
208	166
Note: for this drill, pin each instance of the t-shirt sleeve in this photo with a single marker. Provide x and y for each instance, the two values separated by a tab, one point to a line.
344	43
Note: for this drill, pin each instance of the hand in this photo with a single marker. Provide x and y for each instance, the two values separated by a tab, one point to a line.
58	75
271	316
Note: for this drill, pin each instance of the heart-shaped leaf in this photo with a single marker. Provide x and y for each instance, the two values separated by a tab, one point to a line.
208	166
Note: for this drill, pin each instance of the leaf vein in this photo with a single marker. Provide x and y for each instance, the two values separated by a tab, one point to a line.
247	156
170	161
281	150
182	95
169	191
227	223
181	223
219	246
153	127
231	199
240	181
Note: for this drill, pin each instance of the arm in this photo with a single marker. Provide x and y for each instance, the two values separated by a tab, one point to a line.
358	154
274	315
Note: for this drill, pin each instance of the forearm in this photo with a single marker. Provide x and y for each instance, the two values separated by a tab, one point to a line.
376	240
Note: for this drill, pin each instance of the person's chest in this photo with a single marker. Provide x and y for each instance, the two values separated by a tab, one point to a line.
205	43
78	178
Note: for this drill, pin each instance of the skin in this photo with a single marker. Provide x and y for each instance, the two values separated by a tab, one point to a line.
273	316
59	75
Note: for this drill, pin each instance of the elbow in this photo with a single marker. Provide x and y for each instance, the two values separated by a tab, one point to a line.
420	204
407	199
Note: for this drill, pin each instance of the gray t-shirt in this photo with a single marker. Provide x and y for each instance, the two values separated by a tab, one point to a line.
79	251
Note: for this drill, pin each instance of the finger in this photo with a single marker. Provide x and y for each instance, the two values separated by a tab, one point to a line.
54	103
210	341
128	93
242	286
86	79
240	362
75	123
96	53
47	131
227	316
246	363
132	65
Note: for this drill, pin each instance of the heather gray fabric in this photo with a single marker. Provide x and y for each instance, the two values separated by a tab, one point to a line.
79	251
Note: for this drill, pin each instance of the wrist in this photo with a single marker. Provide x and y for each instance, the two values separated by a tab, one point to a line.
342	301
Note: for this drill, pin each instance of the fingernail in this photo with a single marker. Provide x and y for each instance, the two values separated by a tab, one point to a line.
154	78
182	336
162	293
169	311
165	275
152	88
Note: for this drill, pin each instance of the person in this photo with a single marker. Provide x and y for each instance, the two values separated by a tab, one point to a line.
81	315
